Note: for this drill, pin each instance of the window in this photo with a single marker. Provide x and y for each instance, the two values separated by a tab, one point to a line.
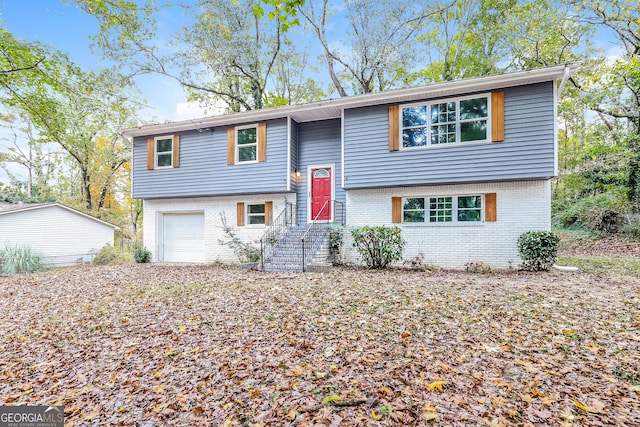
256	214
442	209
469	208
164	152
246	144
461	120
413	210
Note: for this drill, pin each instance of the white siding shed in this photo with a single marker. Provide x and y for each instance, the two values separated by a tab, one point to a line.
62	234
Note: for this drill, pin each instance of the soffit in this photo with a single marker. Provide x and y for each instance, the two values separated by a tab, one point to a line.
332	108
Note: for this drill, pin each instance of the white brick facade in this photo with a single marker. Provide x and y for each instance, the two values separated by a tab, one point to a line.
521	206
212	208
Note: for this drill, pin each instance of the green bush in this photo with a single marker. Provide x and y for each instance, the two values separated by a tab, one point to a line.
590	213
538	250
20	259
378	246
142	255
631	230
336	241
111	255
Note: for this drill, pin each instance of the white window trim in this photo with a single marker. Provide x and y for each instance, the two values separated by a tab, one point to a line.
237	146
428	104
454	213
155	151
247	215
310	168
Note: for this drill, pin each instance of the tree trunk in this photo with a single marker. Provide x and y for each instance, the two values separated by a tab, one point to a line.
86	188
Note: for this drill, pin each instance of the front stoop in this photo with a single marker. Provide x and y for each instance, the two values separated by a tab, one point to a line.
287	255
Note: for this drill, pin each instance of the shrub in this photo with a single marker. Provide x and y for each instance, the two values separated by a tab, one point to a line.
142	255
605	219
631	230
478	267
112	255
378	246
336	240
20	259
417	263
538	250
572	213
246	252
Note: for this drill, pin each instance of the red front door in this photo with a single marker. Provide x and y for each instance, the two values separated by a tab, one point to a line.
321	194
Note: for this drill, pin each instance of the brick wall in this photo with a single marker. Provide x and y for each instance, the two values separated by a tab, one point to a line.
521	206
213	208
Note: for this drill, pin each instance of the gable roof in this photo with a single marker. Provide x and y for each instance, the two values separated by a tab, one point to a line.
332	108
7	209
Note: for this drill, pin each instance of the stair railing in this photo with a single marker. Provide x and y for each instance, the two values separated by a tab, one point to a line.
314	233
276	230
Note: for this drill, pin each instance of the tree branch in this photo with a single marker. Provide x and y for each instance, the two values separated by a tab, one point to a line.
15	70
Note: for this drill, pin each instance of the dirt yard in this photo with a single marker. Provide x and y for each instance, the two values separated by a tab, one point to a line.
152	345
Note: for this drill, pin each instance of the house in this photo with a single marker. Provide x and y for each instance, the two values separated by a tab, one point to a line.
62	234
463	167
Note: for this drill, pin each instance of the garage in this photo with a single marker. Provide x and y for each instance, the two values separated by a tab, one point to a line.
182	237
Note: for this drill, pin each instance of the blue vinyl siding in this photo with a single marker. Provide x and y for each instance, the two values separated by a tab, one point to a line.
526	153
294	153
204	171
319	143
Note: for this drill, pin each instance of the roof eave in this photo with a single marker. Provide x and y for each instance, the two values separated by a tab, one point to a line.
330	108
54	204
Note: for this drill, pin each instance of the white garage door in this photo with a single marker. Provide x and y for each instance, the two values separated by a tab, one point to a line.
183	237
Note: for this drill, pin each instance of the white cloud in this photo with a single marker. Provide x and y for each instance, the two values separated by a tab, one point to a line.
188	110
191	110
614	54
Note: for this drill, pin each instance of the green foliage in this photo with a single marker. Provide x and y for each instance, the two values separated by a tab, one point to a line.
79	110
141	255
112	255
285	11
576	212
538	250
378	246
20	259
633	177
631	229
336	242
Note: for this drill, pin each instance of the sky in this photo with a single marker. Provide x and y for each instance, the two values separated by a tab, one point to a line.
67	28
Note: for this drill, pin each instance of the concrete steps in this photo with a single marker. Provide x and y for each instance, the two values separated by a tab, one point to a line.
287	254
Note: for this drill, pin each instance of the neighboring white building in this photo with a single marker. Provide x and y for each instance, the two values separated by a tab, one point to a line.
62	234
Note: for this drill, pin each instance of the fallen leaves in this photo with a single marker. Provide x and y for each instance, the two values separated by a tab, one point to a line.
436	385
211	345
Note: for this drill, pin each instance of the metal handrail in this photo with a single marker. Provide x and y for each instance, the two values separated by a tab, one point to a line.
314	232
276	230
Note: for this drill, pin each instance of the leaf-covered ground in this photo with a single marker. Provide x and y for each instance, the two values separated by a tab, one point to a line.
153	345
